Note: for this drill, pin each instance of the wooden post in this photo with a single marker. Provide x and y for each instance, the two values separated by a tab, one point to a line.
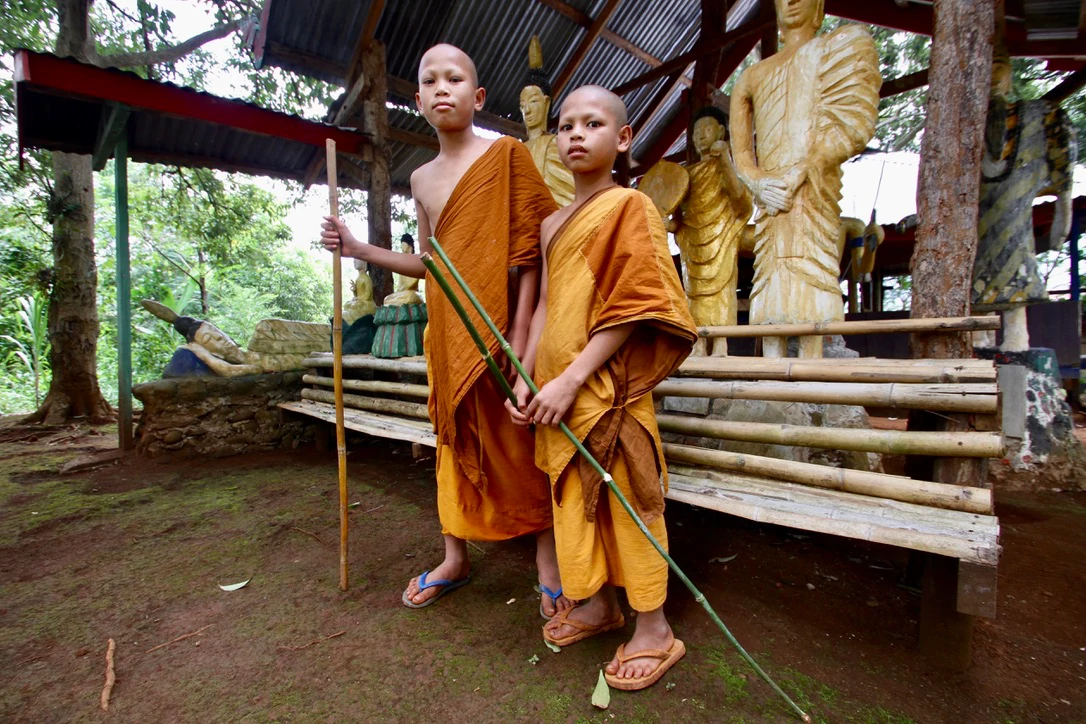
714	18
379	194
337	365
124	299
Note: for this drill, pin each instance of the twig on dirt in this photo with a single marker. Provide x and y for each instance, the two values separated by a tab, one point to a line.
311	643
179	638
481	551
313	535
111	676
373	509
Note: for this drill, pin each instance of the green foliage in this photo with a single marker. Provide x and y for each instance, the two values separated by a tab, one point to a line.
31	346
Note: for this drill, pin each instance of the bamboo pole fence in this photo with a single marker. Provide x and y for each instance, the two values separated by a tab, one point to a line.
887	442
874	326
979	398
877	485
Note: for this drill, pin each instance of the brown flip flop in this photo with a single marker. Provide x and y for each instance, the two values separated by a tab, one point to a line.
584	630
667	660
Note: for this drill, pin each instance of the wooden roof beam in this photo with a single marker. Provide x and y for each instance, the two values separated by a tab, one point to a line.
660	99
678	124
369	28
904	84
1068	86
584	46
752	28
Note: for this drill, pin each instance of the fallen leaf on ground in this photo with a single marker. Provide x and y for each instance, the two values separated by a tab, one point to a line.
553	647
728	559
235	586
534	660
601	697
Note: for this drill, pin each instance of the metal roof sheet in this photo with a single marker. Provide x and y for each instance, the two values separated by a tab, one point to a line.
61	104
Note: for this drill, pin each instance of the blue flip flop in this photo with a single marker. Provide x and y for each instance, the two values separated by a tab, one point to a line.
424	584
552	595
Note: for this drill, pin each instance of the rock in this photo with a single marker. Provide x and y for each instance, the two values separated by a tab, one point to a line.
217	416
690	405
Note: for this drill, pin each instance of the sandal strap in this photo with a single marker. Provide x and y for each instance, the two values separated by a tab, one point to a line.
552	595
623	657
565	620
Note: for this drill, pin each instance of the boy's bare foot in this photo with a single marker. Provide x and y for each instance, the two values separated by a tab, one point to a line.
546	561
455	566
652	632
601	611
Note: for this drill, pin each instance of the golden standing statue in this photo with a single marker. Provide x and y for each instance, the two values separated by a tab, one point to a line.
812	106
708	227
535	107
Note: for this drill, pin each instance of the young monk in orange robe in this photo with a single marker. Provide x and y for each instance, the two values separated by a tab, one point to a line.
611	323
484	201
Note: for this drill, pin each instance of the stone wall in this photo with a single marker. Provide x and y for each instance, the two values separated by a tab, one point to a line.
219	416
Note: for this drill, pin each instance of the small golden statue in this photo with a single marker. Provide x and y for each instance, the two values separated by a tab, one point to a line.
535	106
708	223
407	288
362	288
811	107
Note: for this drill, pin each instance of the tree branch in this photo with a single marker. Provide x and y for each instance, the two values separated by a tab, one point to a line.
176	52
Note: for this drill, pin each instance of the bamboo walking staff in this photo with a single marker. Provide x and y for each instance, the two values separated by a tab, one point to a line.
337	365
698	595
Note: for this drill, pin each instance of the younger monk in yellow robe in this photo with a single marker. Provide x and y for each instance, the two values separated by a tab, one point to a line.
484	200
616	325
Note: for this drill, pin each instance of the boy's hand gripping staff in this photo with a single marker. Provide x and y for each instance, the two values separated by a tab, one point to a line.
442	282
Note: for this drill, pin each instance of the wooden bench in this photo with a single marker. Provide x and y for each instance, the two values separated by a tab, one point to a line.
951	525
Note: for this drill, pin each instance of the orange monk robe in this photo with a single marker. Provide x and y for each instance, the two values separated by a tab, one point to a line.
488	488
610	265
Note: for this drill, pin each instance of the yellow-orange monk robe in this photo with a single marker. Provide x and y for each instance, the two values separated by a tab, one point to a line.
488	488
609	266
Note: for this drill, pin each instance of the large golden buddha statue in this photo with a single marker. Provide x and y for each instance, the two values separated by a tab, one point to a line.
535	106
811	107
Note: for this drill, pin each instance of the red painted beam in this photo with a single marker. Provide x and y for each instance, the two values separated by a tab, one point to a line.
911	18
72	78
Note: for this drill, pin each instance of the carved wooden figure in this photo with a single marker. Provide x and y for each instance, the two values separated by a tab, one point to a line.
811	106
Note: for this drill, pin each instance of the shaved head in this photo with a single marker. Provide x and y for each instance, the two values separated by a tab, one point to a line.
444	52
607	100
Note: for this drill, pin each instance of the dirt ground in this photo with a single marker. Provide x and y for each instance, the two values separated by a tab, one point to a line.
135	552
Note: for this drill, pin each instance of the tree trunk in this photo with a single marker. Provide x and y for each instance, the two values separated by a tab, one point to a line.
950	156
948	198
379	194
73	301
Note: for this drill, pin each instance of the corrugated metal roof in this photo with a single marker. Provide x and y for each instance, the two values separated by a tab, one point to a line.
317	38
1052	19
68	117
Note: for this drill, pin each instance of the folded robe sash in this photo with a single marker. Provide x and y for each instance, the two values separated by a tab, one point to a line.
610	265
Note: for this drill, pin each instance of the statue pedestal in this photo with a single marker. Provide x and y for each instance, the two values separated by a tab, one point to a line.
399	331
1042	449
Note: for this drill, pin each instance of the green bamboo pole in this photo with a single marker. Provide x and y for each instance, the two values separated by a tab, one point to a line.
507	349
